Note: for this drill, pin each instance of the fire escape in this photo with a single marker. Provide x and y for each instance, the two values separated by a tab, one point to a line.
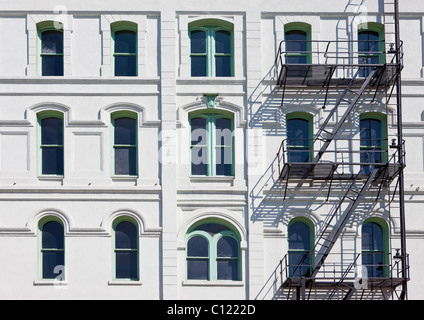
332	159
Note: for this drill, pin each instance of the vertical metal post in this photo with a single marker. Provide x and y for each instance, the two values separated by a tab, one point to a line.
404	295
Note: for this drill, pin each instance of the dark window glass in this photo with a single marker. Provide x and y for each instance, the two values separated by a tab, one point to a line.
224	151
371	143
298	140
198	66
296	41
373	249
52	131
227	247
126	250
52	146
368	48
198	258
199	146
212	228
223	66
52	249
198	247
125	53
126	235
52	53
300	258
125	146
223	42
198	41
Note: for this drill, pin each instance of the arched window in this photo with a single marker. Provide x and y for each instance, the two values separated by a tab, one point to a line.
370	47
50	141
211	50
300	237
374	252
213	253
125	143
124	41
299	137
297	38
211	144
51	49
373	140
126	250
52	248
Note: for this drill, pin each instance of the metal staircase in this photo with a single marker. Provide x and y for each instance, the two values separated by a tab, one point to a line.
360	183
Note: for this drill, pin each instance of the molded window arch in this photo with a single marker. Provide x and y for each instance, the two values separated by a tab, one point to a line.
297	36
124	48
211	48
50	48
212	143
370	45
299	127
51	248
375	247
373	139
125	249
301	237
213	251
125	143
50	143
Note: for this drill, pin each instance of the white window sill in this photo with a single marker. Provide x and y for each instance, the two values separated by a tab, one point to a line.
49	282
50	177
217	283
124	283
124	178
211	178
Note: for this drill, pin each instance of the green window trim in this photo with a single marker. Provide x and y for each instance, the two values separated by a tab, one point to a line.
303	27
40	116
42	27
386	245
115	250
123	26
41	250
384	135
212	248
311	227
114	116
210	27
210	144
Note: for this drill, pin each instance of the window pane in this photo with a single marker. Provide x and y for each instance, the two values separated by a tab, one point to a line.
52	131
52	65
372	237
126	235
126	66
198	66
296	41
223	66
299	236
224	161
370	133
228	269
223	134
299	264
197	246
52	236
51	259
368	41
227	247
212	228
198	269
198	161
198	131
126	265
125	131
198	41
298	134
52	42
223	42
125	41
52	160
126	160
297	60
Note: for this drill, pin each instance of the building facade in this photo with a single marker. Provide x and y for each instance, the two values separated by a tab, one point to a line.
144	149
